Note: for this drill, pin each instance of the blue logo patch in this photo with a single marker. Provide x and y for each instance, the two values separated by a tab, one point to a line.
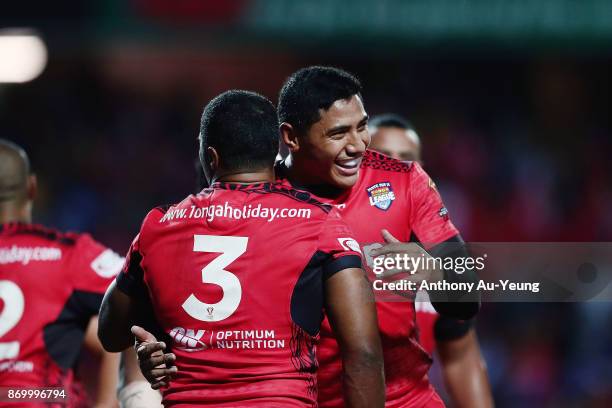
381	195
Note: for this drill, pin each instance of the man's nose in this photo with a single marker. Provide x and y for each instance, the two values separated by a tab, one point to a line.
357	144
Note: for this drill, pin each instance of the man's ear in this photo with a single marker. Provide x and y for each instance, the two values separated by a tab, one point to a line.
213	158
289	137
32	187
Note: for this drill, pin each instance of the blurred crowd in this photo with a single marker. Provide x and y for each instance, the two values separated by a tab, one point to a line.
520	148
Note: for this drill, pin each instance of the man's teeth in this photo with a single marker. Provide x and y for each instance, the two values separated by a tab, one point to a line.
349	164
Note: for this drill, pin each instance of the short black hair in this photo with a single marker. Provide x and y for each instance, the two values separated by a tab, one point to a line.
242	126
390	120
311	89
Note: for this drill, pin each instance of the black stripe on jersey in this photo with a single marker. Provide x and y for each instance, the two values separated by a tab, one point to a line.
63	337
262	188
131	282
379	161
338	264
40	231
308	295
447	328
299	195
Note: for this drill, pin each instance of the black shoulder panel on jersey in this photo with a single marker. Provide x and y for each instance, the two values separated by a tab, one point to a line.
379	161
63	337
307	298
65	238
299	195
131	282
339	264
447	328
308	295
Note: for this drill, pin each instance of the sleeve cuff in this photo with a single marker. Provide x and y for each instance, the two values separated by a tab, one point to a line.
129	285
447	328
339	264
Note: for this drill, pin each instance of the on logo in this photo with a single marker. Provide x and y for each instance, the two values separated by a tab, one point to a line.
188	340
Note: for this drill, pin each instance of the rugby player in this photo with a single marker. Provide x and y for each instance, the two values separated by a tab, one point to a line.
463	368
238	276
51	287
324	125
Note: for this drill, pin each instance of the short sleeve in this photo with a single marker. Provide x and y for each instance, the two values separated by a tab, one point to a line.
131	278
338	241
429	217
93	266
447	328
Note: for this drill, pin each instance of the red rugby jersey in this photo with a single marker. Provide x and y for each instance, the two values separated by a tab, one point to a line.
51	284
236	278
401	198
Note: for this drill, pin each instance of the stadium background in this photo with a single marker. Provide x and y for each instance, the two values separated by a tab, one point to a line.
511	99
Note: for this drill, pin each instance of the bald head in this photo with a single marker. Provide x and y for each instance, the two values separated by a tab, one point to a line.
14	172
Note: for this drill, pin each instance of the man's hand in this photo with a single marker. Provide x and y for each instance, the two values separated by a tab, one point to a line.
408	255
158	368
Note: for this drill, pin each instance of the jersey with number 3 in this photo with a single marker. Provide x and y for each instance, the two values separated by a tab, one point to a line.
236	278
51	284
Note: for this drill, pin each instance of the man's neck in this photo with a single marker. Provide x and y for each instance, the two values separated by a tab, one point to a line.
251	177
9	212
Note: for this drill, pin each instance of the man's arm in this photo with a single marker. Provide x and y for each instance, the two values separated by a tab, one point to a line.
465	372
118	314
352	313
458	304
108	363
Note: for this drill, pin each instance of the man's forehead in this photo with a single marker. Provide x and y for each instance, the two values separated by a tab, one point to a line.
395	135
344	112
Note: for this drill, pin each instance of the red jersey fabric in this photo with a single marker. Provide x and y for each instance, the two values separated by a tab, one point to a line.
51	284
426	317
236	278
401	198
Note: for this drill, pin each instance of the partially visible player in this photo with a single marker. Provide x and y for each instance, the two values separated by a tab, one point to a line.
463	367
238	276
51	287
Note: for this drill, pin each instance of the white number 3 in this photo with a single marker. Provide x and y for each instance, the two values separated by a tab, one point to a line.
231	248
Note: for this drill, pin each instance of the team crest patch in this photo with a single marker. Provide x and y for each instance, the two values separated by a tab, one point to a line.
381	195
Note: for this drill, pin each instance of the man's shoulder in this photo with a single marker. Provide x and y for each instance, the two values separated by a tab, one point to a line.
375	161
42	234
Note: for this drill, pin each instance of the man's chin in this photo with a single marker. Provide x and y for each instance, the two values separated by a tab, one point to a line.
345	182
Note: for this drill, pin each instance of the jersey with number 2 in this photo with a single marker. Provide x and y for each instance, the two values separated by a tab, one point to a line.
51	284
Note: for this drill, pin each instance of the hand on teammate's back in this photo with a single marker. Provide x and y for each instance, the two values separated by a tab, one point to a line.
156	366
